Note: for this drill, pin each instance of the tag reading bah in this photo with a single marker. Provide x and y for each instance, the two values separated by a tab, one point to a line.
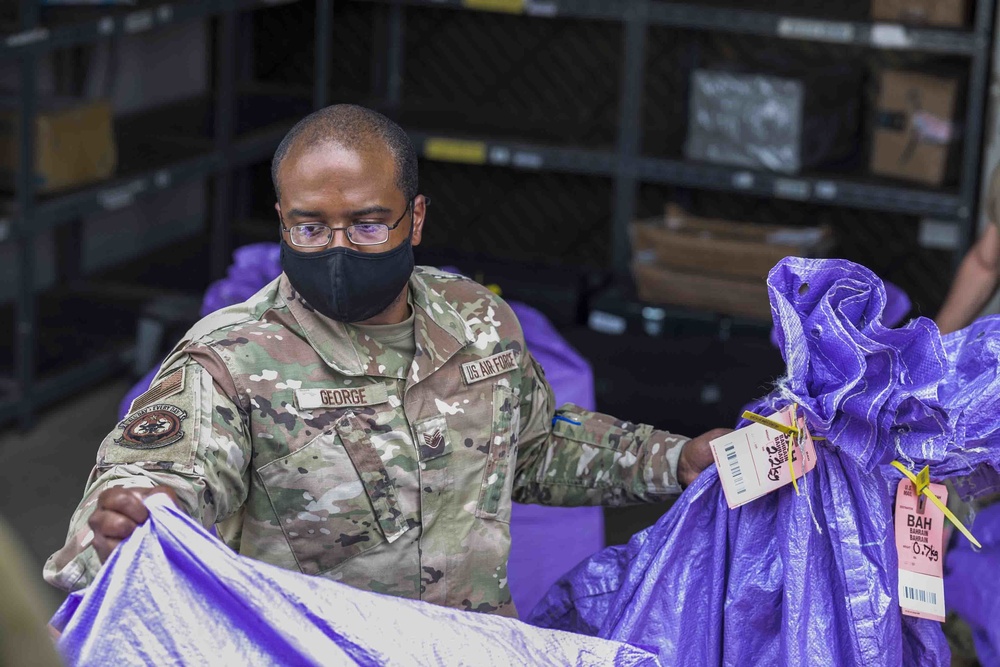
753	461
920	546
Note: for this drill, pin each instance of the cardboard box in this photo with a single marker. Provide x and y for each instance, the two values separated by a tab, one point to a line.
945	13
715	265
915	134
726	296
74	144
682	242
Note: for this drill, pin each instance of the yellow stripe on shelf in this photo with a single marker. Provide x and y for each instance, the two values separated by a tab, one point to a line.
455	150
506	6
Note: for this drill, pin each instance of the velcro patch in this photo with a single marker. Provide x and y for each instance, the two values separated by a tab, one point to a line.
484	369
152	427
343	397
432	438
169	385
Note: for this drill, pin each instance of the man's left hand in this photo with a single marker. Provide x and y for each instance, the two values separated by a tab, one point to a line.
697	455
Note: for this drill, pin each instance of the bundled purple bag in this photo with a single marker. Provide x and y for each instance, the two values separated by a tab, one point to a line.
972	585
808	579
253	266
173	595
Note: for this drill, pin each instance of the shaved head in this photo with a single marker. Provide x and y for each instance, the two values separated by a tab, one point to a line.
356	128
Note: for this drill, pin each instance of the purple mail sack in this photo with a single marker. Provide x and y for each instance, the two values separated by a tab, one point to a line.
174	595
809	578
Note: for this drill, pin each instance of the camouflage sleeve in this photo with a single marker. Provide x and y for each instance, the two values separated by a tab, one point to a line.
573	456
185	433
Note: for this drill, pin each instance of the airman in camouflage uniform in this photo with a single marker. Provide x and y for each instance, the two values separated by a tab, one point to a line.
312	445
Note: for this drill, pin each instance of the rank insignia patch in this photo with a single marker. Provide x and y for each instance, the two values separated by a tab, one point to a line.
432	438
434	441
152	427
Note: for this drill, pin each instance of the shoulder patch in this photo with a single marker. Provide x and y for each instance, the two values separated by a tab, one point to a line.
153	427
170	384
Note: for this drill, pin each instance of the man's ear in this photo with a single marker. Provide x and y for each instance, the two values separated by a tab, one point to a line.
419	214
277	207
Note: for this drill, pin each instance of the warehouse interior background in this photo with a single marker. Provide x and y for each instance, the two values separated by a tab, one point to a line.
630	168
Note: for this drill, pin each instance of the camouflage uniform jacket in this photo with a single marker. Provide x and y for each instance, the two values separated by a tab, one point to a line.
280	426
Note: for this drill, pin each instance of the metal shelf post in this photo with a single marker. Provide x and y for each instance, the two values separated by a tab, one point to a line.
972	149
225	123
27	315
324	24
394	58
629	135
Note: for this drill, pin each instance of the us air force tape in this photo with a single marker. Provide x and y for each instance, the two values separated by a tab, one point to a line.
484	369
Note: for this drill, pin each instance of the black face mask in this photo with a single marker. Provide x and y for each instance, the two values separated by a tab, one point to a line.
347	285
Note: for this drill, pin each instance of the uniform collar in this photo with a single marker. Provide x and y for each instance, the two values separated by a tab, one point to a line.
439	332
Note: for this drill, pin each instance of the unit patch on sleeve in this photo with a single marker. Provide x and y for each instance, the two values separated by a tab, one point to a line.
152	427
484	369
170	384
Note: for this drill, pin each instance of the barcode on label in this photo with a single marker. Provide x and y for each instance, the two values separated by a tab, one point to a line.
919	595
734	469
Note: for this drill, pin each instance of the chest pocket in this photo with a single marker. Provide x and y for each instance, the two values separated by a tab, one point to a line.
333	497
494	496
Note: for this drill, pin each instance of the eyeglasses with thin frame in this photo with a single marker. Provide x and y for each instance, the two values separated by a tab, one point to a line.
318	235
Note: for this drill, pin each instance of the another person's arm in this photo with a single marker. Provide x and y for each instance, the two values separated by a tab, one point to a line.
975	282
201	460
572	456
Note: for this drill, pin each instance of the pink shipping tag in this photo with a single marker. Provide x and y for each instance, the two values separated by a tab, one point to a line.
920	546
753	461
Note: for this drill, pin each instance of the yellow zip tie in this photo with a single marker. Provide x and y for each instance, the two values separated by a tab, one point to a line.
792	444
770	423
922	484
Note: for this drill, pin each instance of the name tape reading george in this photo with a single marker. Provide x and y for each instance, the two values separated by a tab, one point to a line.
343	397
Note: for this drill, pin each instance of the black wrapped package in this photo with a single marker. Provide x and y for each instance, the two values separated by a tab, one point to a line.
785	124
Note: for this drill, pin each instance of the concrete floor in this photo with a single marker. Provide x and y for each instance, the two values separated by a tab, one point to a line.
47	466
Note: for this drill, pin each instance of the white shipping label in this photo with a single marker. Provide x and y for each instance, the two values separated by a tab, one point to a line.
922	594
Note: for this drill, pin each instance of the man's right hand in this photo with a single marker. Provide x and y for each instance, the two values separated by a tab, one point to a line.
119	512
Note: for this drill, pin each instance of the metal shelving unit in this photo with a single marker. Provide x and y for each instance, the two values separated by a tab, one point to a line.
228	147
699	17
222	152
626	164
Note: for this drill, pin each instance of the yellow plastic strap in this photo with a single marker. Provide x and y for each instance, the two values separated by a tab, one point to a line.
923	479
792	444
922	484
770	423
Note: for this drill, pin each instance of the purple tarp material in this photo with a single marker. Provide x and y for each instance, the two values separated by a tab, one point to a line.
545	541
808	579
897	307
173	595
972	585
